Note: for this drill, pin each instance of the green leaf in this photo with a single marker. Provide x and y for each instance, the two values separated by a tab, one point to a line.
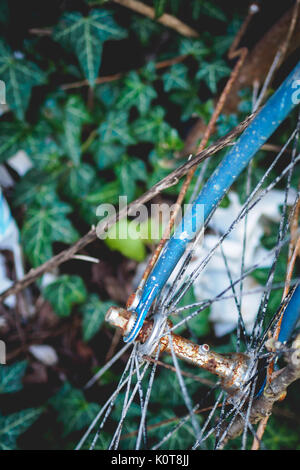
73	410
207	8
119	238
75	116
212	10
151	231
108	193
44	225
86	35
19	76
136	93
11	377
159	7
93	312
64	293
128	171
144	28
115	129
79	180
193	47
280	435
211	72
152	127
107	155
176	78
44	153
11	134
12	426
107	93
35	188
226	123
192	103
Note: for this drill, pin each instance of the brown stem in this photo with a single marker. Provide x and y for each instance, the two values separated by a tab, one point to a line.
111	78
165	19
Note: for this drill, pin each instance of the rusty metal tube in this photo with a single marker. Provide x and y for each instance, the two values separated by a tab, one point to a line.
231	368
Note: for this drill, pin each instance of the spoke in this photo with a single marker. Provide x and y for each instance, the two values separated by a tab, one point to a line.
184	391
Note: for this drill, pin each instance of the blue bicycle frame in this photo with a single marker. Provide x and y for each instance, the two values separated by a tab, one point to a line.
260	129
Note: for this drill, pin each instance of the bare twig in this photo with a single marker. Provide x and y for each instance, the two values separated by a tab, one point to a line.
170	180
167	20
116	76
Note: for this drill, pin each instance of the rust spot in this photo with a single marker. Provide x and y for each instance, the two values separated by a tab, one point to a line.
130	300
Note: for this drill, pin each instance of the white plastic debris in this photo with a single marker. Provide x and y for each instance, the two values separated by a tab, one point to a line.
47	278
20	162
9	240
6	180
9	232
5	283
214	279
3	323
44	353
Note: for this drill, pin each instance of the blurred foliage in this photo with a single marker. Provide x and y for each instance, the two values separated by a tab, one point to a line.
88	144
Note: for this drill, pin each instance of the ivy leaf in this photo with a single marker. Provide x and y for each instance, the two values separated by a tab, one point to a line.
86	35
152	127
44	225
107	155
12	426
107	93
190	98
44	153
100	193
193	47
136	93
159	7
11	377
226	123
108	193
93	312
211	72
128	172
144	28
64	293
75	116
12	133
35	187
79	180
207	8
115	129
176	78
149	72
73	410
19	76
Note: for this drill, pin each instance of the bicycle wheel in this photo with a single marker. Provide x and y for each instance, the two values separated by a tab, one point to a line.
229	275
